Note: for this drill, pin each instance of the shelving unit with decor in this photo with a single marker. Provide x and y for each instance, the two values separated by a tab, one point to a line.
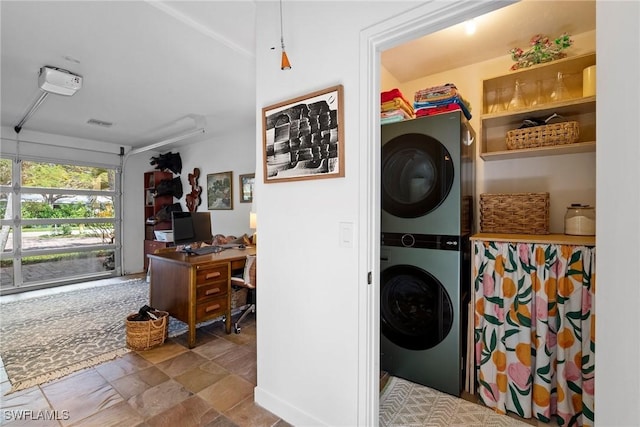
494	125
153	205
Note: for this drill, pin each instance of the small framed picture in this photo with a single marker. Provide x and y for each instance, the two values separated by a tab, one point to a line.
303	138
246	187
220	191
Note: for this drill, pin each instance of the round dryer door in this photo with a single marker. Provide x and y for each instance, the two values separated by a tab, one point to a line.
417	175
416	312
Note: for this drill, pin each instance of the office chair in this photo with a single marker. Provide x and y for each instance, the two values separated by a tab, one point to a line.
248	281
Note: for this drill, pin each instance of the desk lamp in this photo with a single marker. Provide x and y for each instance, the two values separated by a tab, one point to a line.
253	224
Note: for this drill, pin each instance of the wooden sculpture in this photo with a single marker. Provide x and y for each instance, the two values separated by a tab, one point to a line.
193	198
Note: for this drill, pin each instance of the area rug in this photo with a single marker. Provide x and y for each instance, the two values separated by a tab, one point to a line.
406	404
45	338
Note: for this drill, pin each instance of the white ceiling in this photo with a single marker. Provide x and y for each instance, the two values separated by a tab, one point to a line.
157	69
154	69
496	33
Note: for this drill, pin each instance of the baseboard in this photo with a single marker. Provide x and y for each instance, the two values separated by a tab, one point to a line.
284	410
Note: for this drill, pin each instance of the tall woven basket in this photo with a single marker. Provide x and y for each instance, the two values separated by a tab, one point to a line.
147	334
518	213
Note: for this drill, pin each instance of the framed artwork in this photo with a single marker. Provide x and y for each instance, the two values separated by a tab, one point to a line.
303	138
246	187
220	191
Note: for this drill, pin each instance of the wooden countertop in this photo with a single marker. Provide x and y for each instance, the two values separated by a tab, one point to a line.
561	239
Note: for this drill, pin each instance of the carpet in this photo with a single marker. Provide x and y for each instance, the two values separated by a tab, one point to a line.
45	338
406	404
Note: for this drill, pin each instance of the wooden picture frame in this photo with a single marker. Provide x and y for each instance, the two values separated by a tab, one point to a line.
303	138
220	191
246	187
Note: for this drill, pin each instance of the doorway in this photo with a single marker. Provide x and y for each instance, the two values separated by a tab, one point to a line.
416	23
382	38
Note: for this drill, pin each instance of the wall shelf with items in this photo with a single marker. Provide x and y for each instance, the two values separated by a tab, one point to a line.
538	82
153	205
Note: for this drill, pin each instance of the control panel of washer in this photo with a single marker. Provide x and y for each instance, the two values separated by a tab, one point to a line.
422	241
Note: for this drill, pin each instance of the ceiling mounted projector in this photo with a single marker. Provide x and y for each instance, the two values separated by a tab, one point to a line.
59	81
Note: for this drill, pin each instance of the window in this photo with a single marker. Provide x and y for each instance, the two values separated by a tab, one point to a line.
59	223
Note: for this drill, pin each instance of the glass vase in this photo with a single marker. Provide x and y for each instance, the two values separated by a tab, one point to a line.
538	94
517	101
499	102
560	92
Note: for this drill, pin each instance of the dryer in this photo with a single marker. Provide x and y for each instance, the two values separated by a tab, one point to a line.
423	298
427	175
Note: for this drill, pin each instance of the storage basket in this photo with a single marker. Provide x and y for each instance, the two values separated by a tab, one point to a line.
541	136
146	334
239	296
519	213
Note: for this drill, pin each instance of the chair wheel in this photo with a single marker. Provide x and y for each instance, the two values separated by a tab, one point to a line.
237	329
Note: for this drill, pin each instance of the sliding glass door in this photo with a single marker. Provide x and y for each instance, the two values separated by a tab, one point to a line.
60	223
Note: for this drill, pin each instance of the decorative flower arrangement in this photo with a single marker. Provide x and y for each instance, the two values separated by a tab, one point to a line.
542	50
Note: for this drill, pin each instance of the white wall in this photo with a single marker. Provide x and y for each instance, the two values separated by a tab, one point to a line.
133	212
222	153
309	345
388	82
308	355
212	154
617	389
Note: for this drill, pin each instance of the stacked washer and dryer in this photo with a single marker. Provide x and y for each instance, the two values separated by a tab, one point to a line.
427	187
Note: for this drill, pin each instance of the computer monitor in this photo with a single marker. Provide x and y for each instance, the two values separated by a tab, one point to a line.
202	226
190	227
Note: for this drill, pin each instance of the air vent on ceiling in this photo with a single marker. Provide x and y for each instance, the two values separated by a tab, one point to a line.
99	123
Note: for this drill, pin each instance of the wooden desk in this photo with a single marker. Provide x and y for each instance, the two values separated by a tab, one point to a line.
195	288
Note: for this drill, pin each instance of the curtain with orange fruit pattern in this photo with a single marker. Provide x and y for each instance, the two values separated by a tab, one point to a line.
535	330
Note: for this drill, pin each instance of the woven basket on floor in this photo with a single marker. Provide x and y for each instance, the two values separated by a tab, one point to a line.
239	297
541	136
519	213
147	334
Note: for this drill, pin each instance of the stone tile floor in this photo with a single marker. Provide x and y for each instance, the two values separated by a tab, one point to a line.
171	385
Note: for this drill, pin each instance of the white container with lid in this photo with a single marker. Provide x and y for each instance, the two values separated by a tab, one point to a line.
580	220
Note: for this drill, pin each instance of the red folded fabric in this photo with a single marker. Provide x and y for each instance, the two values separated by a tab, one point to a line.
429	111
391	94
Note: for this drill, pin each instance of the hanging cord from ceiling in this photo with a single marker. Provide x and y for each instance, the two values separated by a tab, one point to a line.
284	63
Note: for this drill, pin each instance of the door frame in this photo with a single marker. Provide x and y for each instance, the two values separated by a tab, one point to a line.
417	22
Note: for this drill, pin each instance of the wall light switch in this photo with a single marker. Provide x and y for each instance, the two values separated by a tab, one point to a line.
346	234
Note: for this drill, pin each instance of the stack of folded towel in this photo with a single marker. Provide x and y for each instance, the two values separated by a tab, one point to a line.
440	99
394	107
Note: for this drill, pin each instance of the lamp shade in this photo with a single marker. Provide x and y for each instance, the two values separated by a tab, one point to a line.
285	64
253	220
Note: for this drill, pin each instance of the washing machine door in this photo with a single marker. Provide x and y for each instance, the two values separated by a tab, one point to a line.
416	312
417	175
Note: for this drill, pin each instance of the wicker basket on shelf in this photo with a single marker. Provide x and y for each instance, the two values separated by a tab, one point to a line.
147	334
518	213
542	136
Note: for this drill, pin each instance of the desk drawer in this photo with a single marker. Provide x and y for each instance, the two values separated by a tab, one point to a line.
237	264
211	290
211	273
212	308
